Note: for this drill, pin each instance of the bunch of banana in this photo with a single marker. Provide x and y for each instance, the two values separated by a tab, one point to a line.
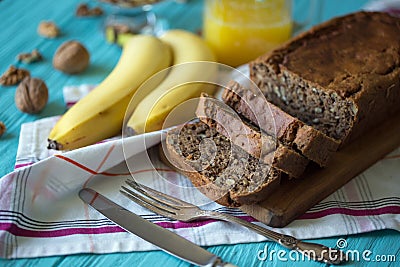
185	80
99	115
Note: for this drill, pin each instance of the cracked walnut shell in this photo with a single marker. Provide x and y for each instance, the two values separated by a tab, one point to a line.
31	95
71	57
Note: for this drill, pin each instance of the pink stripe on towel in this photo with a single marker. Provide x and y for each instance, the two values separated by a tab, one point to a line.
352	212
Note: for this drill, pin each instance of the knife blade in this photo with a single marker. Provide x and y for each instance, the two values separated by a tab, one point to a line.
162	238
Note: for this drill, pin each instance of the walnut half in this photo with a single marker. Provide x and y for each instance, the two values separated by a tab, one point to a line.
31	57
13	76
48	29
83	10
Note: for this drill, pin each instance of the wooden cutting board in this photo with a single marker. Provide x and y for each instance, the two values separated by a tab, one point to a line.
294	197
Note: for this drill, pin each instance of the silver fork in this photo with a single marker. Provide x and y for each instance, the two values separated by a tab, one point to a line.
180	210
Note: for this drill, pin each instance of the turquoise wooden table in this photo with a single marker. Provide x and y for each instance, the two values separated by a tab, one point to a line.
19	21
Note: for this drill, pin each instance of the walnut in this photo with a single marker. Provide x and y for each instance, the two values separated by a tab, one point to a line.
31	95
2	128
83	10
131	3
13	76
48	29
27	58
71	57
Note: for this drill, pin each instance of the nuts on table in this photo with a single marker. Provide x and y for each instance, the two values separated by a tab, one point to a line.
131	3
83	10
31	95
2	128
48	29
30	57
71	57
13	76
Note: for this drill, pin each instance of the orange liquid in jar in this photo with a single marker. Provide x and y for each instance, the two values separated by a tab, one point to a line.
241	30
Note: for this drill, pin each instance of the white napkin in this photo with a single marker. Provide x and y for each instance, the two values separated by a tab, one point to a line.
390	6
42	215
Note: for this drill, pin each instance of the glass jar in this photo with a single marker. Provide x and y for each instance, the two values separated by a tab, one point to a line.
241	30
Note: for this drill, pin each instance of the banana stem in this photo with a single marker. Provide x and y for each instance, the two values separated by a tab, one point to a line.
112	36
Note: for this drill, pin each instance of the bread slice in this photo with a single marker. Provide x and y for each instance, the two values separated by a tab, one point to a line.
252	105
258	144
222	171
341	77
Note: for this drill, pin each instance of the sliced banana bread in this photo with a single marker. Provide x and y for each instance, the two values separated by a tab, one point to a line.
258	144
252	105
222	171
342	77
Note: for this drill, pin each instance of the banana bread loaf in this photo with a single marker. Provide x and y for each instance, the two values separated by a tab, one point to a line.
341	77
252	105
220	170
260	145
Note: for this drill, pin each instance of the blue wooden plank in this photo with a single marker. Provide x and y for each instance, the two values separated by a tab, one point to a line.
380	243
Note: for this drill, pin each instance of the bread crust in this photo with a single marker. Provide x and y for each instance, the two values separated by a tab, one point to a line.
341	77
290	131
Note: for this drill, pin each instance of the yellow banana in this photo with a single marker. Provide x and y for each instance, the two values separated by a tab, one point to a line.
100	114
189	55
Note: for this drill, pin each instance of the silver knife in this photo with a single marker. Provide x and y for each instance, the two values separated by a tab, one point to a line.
162	238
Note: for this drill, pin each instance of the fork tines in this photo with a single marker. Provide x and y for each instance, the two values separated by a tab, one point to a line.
151	199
